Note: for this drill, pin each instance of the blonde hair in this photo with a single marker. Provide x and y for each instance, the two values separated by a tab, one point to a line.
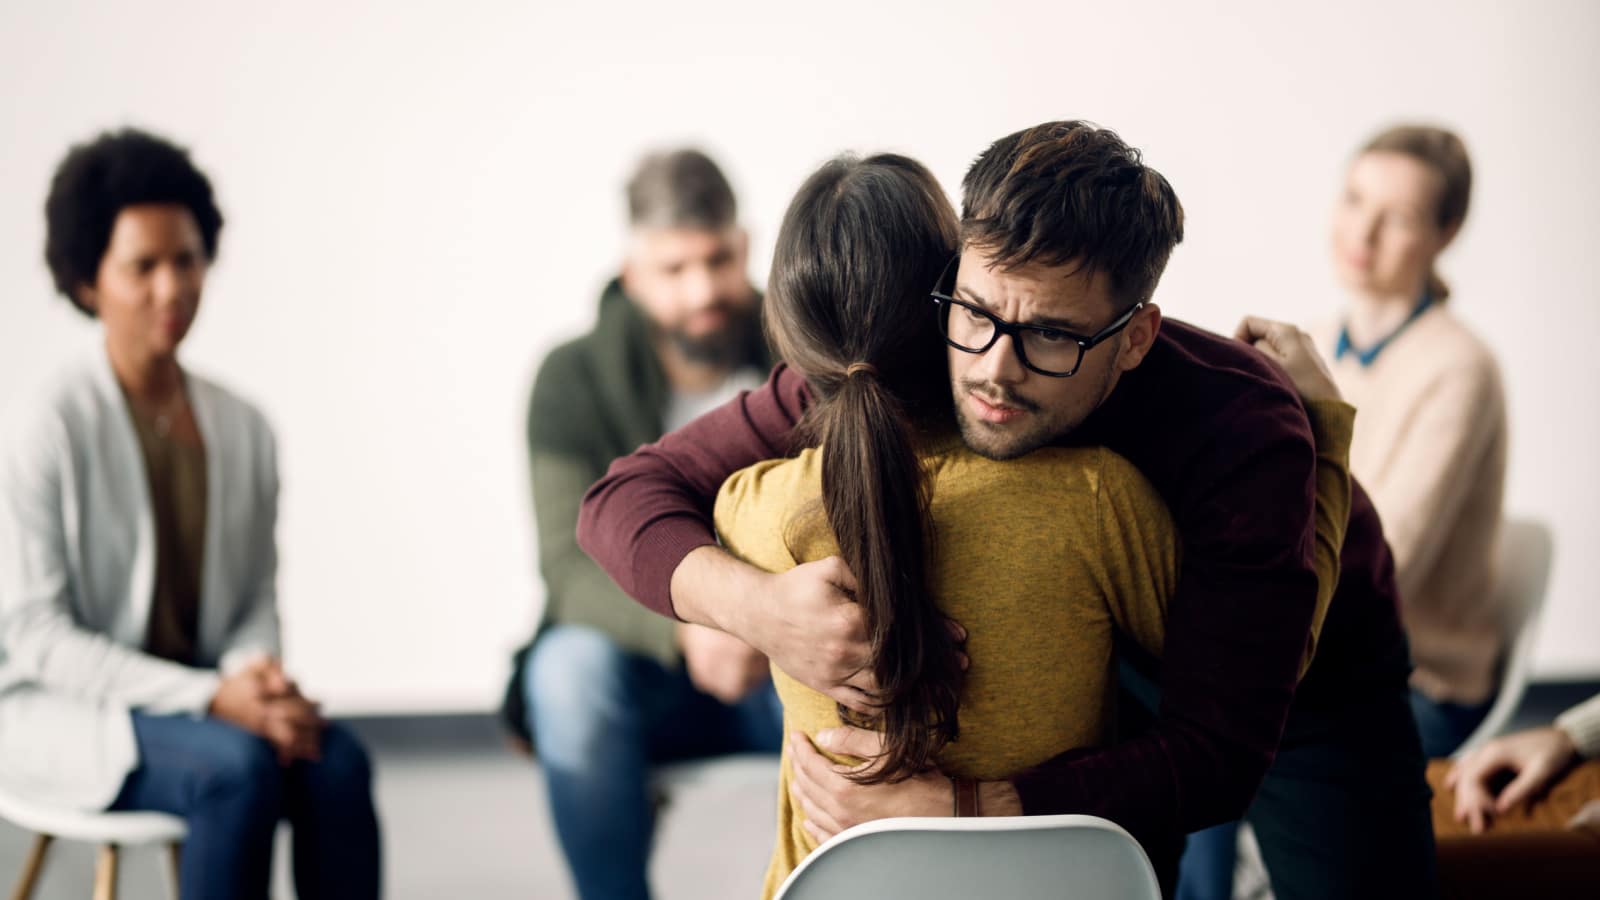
1443	152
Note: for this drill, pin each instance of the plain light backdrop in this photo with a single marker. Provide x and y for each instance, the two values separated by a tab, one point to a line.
423	198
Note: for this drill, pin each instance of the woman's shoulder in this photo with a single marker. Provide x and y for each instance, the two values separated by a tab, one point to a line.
1453	344
231	409
66	400
756	505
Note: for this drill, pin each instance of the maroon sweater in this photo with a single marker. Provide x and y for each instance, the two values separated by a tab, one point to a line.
1223	437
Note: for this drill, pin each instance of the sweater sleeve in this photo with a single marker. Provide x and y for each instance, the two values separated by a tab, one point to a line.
564	459
1332	427
654	506
256	633
39	637
1582	724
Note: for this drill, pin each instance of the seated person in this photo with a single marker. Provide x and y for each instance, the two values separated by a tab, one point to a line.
1431	448
139	649
1080	546
606	689
1520	815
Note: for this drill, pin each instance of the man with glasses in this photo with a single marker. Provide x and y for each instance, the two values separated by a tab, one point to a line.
607	689
1055	339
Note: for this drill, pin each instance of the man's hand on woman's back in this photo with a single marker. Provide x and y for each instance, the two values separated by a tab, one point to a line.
805	620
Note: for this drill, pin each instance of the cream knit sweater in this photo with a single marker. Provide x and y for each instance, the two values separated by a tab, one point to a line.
1430	448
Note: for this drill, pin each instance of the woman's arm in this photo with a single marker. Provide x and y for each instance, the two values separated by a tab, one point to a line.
38	634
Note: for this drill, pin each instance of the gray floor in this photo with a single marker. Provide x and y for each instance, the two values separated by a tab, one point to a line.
464	817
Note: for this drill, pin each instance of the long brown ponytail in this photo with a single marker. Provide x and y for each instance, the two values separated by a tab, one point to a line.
860	247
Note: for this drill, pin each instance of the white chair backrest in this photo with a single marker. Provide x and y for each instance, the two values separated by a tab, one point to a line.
1523	558
1010	858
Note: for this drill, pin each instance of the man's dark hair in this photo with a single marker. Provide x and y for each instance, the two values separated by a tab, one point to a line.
1072	192
96	181
680	189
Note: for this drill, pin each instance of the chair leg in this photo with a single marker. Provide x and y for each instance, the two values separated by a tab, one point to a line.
175	867
105	874
32	867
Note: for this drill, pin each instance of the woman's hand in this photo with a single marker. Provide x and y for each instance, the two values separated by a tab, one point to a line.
1535	757
1294	352
831	802
263	700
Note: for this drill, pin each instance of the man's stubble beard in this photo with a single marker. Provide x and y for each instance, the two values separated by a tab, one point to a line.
978	438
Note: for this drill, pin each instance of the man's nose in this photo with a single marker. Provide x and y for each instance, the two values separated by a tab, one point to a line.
699	287
1000	363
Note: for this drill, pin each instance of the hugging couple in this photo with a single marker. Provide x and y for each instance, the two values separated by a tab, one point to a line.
1014	493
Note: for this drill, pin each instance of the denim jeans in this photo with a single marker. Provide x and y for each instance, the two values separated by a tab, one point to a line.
228	786
1444	726
1205	871
601	717
1342	811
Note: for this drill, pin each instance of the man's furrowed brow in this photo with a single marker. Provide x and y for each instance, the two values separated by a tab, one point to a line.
1058	323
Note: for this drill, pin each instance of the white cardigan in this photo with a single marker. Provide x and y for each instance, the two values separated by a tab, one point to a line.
77	573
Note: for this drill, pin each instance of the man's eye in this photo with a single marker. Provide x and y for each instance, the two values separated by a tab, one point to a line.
1052	337
973	315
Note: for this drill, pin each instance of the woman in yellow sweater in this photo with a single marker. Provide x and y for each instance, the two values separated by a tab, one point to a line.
1041	557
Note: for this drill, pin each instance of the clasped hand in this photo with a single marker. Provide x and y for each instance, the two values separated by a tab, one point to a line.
263	700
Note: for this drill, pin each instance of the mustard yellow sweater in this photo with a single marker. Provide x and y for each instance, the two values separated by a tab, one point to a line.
1040	558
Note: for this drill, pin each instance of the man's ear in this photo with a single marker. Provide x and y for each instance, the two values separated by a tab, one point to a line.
1139	337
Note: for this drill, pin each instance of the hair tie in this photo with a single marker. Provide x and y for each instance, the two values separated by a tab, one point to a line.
854	368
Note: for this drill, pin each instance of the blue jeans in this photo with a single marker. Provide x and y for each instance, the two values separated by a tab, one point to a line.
227	785
1205	871
601	717
1445	726
1343	809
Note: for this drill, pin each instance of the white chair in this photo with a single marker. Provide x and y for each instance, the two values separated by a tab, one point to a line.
112	831
1523	557
1009	858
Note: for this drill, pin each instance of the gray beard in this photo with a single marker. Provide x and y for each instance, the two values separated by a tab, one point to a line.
724	348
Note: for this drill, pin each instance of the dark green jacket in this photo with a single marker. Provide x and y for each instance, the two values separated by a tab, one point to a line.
595	399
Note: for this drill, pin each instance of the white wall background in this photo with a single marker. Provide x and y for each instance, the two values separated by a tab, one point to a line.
423	198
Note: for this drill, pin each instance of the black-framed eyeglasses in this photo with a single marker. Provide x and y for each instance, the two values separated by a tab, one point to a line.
1055	352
